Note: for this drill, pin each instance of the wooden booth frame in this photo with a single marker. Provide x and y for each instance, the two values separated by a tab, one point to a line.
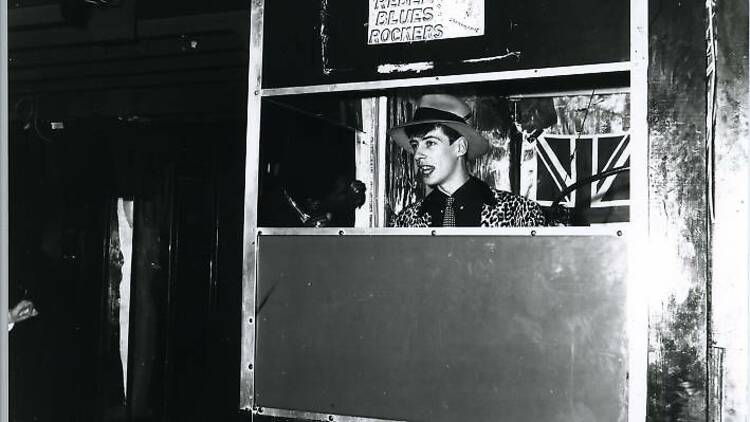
635	232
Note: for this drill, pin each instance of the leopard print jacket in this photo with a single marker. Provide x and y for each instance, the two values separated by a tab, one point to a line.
510	210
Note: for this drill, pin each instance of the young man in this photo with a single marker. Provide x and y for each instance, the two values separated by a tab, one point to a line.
442	142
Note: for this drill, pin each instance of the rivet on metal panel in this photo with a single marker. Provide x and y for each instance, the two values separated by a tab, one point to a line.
533	232
619	232
330	417
250	320
250	366
256	92
260	232
434	233
260	410
341	232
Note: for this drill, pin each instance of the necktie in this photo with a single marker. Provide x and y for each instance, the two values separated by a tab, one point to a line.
449	217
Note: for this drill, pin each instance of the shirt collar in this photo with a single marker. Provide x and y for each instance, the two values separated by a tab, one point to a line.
473	188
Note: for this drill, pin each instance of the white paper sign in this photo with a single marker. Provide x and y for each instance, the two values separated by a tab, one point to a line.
404	21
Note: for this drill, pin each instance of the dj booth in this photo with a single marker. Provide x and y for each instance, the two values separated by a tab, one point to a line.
360	321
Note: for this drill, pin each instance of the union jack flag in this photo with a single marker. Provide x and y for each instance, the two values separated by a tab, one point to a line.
556	162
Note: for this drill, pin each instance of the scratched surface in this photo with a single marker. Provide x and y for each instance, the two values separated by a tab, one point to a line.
678	238
443	328
326	41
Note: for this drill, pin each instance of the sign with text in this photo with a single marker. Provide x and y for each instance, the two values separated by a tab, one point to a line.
405	21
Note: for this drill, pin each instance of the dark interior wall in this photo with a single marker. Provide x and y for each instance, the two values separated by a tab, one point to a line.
308	161
56	233
152	99
126	58
677	210
183	177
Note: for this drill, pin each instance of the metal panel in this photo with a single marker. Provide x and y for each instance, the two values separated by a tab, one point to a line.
444	328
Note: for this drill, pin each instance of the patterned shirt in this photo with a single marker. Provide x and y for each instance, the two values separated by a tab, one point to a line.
475	204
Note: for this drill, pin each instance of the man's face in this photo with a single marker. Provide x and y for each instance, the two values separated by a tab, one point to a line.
437	159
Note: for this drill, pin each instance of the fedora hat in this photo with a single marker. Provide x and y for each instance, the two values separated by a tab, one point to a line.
446	110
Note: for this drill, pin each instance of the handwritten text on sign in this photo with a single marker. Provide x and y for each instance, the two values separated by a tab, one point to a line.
398	21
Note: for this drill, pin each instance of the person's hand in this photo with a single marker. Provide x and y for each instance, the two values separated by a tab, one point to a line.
23	310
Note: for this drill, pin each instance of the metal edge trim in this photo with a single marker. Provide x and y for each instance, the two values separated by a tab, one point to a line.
4	213
382	145
573	93
638	242
249	235
452	79
316	416
608	230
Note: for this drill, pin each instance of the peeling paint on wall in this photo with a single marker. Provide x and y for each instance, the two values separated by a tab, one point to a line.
406	67
676	364
711	76
515	54
324	37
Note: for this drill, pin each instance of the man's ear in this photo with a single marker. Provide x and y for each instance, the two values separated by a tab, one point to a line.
461	146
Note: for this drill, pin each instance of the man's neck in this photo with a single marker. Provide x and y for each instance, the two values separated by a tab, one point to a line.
454	183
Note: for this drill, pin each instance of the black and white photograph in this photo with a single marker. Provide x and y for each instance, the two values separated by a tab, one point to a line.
375	211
